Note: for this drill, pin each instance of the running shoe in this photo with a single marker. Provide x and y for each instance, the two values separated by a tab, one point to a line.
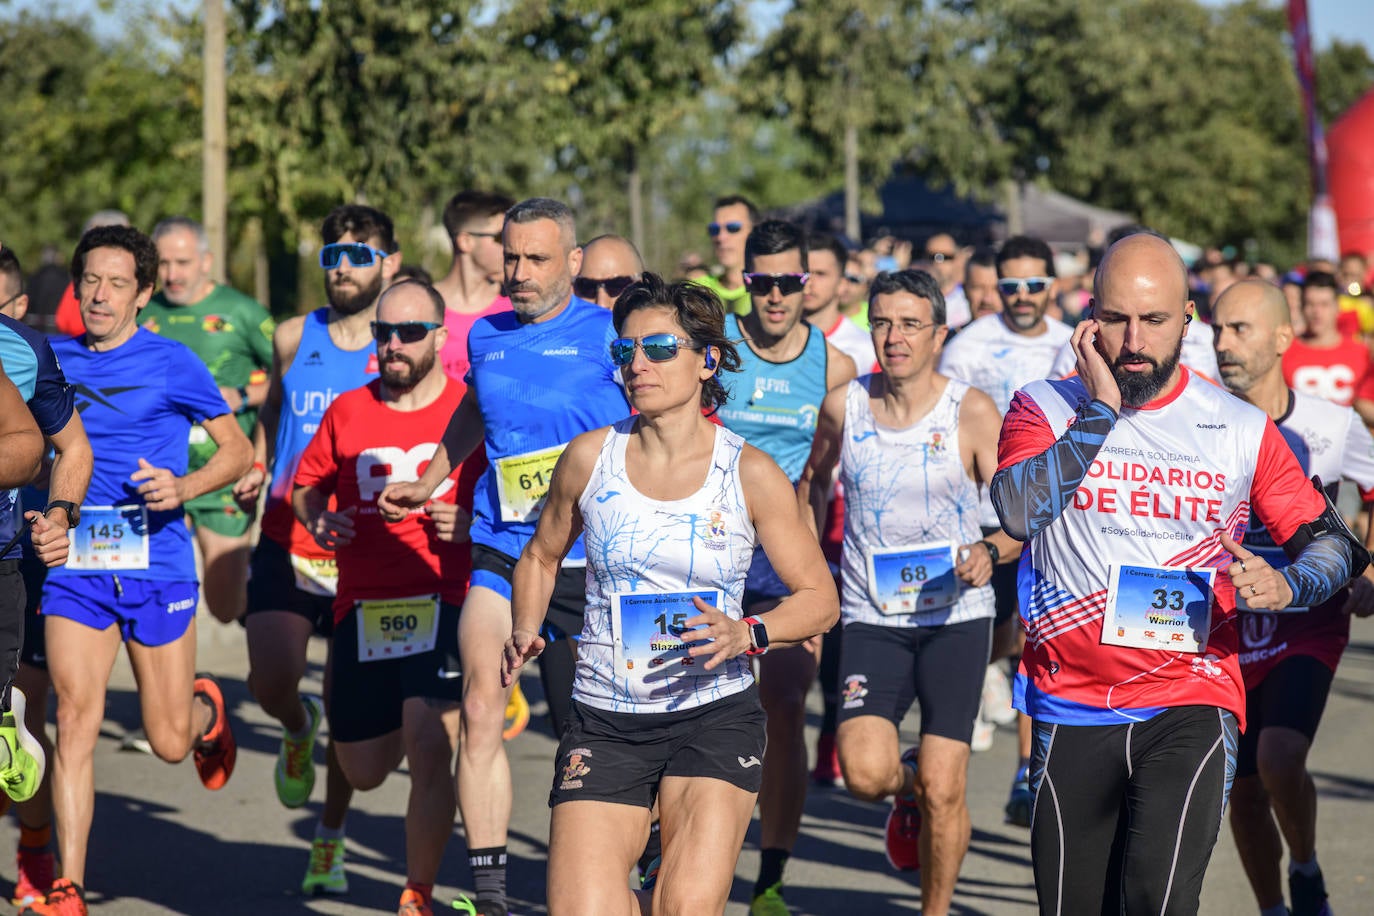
983	731
827	769
295	773
997	707
24	773
326	873
413	903
769	903
64	899
904	827
648	874
517	713
1019	804
36	868
216	751
1308	894
465	906
136	740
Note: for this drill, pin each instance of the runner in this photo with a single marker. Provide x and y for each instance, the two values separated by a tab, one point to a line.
733	218
1326	362
609	265
1287	660
131	576
653	719
526	423
786	368
232	334
913	448
1131	499
396	683
291	593
21	456
472	286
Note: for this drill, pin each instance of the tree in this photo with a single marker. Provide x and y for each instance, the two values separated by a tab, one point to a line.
1345	72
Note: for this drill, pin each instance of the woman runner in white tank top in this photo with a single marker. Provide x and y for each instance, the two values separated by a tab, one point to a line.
664	703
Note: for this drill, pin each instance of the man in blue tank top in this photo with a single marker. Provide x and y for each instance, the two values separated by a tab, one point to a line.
787	366
315	358
541	374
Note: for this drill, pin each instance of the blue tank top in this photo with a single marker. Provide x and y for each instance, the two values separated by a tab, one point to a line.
774	405
319	373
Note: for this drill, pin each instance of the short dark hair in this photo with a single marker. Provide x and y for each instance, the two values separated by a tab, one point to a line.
466	207
412	272
774	236
435	298
361	222
129	239
9	267
917	282
1025	246
537	208
981	257
731	200
824	241
700	313
1320	279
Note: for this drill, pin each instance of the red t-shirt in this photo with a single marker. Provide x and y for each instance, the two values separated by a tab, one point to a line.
362	445
1339	374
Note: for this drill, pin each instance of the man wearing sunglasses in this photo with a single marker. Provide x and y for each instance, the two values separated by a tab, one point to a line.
609	265
472	286
787	366
315	358
946	259
541	375
998	354
396	682
733	219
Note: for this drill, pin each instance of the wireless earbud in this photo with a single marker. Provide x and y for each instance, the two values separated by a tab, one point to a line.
710	359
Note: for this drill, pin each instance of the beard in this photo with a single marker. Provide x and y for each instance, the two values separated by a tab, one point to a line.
351	303
401	381
1139	388
545	301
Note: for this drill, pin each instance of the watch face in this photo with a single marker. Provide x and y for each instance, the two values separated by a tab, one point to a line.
760	636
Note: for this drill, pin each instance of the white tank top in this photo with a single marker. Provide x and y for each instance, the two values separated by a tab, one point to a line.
642	548
903	488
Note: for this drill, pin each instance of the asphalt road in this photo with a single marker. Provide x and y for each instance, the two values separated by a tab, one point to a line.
162	844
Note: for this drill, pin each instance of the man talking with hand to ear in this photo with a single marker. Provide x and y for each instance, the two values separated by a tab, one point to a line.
1131	484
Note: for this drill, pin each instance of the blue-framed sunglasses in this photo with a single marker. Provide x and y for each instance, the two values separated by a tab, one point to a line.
358	254
409	331
658	348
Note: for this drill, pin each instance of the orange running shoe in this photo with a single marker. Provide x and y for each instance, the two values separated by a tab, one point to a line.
64	899
215	751
413	903
35	874
517	714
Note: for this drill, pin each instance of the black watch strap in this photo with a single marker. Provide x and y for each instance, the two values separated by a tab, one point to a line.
72	509
992	551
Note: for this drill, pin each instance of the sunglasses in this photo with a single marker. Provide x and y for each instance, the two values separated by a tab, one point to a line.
658	348
1009	286
854	278
939	257
409	331
787	284
586	287
358	254
713	229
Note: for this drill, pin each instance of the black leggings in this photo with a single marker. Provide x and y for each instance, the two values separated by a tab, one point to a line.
1126	816
12	598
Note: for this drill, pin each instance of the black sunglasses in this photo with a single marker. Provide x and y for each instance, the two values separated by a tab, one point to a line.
409	331
658	348
586	287
713	229
787	284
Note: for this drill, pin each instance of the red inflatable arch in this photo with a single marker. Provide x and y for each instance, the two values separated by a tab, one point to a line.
1350	175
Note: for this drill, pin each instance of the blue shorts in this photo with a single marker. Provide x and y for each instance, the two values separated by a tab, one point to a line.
151	612
762	583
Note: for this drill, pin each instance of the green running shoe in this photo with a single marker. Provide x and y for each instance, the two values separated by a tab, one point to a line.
24	772
326	873
295	773
769	903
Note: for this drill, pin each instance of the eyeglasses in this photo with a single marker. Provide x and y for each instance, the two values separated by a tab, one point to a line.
358	254
854	278
1009	286
658	348
787	284
4	305
409	331
939	257
713	229
908	327
586	287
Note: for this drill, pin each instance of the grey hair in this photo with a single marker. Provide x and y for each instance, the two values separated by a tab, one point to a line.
173	223
918	283
537	208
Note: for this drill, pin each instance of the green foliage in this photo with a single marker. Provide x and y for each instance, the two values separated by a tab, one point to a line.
1345	72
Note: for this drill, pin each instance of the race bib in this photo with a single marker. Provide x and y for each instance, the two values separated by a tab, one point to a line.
1153	607
907	580
110	538
522	483
647	630
316	576
397	627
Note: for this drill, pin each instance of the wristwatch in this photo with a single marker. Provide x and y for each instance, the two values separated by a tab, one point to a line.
72	509
992	551
758	636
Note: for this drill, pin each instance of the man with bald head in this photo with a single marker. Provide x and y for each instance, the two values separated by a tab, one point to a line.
1288	661
609	265
1132	484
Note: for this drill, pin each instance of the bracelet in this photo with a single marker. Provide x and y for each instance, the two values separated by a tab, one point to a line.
259	466
244	406
992	551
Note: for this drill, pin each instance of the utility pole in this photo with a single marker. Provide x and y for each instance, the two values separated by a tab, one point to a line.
214	162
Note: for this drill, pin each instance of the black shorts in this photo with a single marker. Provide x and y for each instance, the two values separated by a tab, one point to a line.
35	650
272	587
365	698
883	669
1293	695
1003	586
492	569
622	757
